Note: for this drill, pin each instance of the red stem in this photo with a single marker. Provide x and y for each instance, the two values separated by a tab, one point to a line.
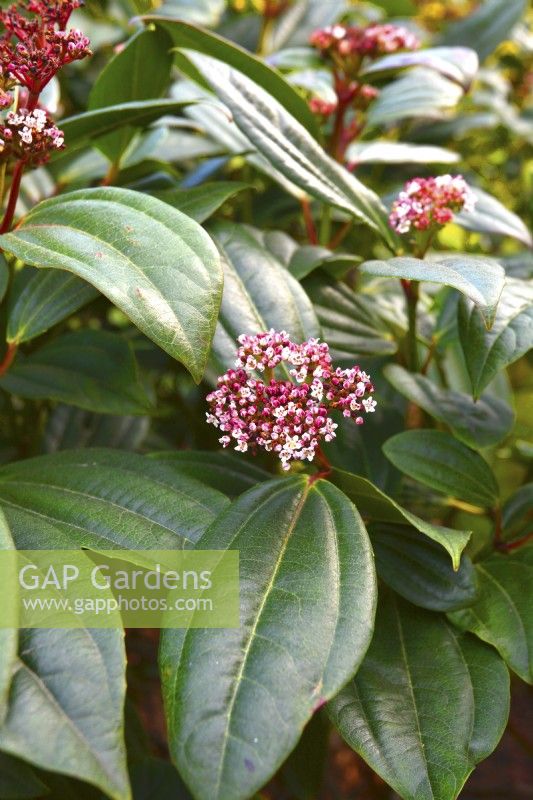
8	358
13	197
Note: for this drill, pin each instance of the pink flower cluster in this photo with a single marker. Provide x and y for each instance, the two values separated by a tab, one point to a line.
430	201
35	44
29	136
343	42
288	417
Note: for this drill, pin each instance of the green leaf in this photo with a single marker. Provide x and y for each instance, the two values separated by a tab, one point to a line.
486	27
200	202
401	711
280	138
237	700
438	460
184	35
378	506
46	299
8	636
458	64
502	614
420	571
490	216
420	93
4	277
83	129
353	324
517	512
18	780
481	280
478	424
66	706
229	473
385	152
157	265
308	258
511	336
106	499
155	779
139	71
95	370
304	771
259	293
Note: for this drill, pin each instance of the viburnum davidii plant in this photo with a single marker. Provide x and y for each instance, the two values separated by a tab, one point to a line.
265	285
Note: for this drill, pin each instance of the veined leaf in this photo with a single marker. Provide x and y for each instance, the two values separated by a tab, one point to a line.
458	64
481	280
378	506
438	460
400	712
478	424
420	93
107	499
200	202
385	152
157	265
227	472
4	276
237	700
488	25
502	614
490	216
8	636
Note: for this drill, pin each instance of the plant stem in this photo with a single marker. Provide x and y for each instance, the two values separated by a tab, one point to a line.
264	34
10	354
13	197
410	289
309	222
111	174
339	236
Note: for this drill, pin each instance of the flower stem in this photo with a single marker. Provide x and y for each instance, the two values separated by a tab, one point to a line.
13	197
410	289
10	354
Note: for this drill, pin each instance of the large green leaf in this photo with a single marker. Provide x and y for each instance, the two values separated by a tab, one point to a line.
185	35
438	460
426	705
259	293
354	324
420	93
280	138
419	570
157	265
502	614
481	280
95	370
4	276
385	152
491	216
459	64
8	636
200	202
486	27
139	71
478	424
105	499
230	473
379	507
511	336
66	706
237	700
46	299
85	128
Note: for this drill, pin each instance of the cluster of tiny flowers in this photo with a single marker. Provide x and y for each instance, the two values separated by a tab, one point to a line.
430	201
343	42
35	44
30	136
288	417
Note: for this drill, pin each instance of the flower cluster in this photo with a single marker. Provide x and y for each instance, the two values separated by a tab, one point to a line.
288	417
35	43
425	202
29	136
344	42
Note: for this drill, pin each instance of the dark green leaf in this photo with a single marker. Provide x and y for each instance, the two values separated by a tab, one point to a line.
401	711
478	424
420	93
104	499
518	509
304	771
66	706
481	280
511	336
259	293
184	35
8	636
157	265
280	138
200	202
486	27
139	71
68	428
18	781
420	571
94	370
438	460
378	506
502	614
155	779
46	299
237	700
4	276
490	216
306	259
229	473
